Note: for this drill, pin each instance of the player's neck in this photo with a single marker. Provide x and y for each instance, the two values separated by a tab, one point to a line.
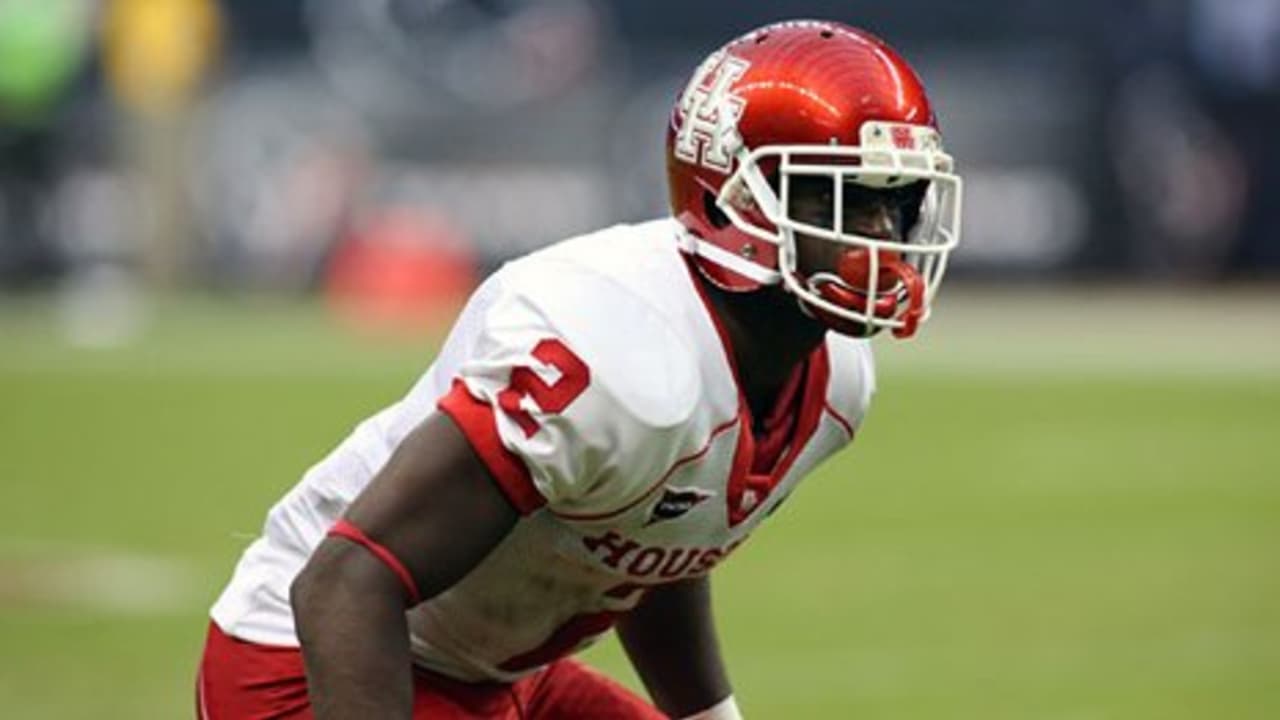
769	337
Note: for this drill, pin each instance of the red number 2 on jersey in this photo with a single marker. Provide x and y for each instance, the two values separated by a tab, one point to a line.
550	397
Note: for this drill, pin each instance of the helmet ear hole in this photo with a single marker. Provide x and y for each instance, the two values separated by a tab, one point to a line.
715	215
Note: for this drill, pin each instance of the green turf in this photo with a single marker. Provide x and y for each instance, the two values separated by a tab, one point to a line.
1043	545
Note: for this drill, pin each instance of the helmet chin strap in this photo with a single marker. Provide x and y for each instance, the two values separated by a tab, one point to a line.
902	298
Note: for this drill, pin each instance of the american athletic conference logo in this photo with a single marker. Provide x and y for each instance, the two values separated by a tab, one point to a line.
675	502
709	112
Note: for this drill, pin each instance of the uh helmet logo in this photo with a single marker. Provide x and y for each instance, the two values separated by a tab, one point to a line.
709	113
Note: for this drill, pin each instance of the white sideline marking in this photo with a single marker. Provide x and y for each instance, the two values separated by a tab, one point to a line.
93	578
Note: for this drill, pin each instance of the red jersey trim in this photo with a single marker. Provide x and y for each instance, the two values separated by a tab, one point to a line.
742	479
811	407
840	419
777	429
478	424
716	432
344	529
721	332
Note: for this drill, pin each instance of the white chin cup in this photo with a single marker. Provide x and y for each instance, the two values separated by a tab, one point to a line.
816	280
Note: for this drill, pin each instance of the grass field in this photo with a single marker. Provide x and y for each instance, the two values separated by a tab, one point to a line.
1064	506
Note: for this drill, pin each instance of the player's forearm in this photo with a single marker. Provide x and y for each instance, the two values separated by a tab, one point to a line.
670	638
355	643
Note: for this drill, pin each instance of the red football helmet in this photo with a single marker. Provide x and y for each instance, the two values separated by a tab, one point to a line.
813	99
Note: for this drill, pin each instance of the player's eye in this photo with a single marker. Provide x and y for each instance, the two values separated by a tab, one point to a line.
810	199
910	200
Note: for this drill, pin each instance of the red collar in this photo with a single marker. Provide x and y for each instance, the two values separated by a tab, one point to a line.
758	466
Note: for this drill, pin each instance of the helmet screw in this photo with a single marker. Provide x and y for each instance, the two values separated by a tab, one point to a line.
748	251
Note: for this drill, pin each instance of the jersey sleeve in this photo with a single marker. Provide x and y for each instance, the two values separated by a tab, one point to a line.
573	399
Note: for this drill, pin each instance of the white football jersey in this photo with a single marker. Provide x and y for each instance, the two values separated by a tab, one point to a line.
594	382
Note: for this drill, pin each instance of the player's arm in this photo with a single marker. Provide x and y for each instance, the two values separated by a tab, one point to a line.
671	640
433	511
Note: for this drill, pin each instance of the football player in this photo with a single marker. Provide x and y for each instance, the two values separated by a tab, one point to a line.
610	418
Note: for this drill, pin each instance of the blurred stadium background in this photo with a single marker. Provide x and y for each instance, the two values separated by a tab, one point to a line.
231	229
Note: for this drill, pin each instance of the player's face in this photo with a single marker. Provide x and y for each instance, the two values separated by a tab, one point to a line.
871	212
